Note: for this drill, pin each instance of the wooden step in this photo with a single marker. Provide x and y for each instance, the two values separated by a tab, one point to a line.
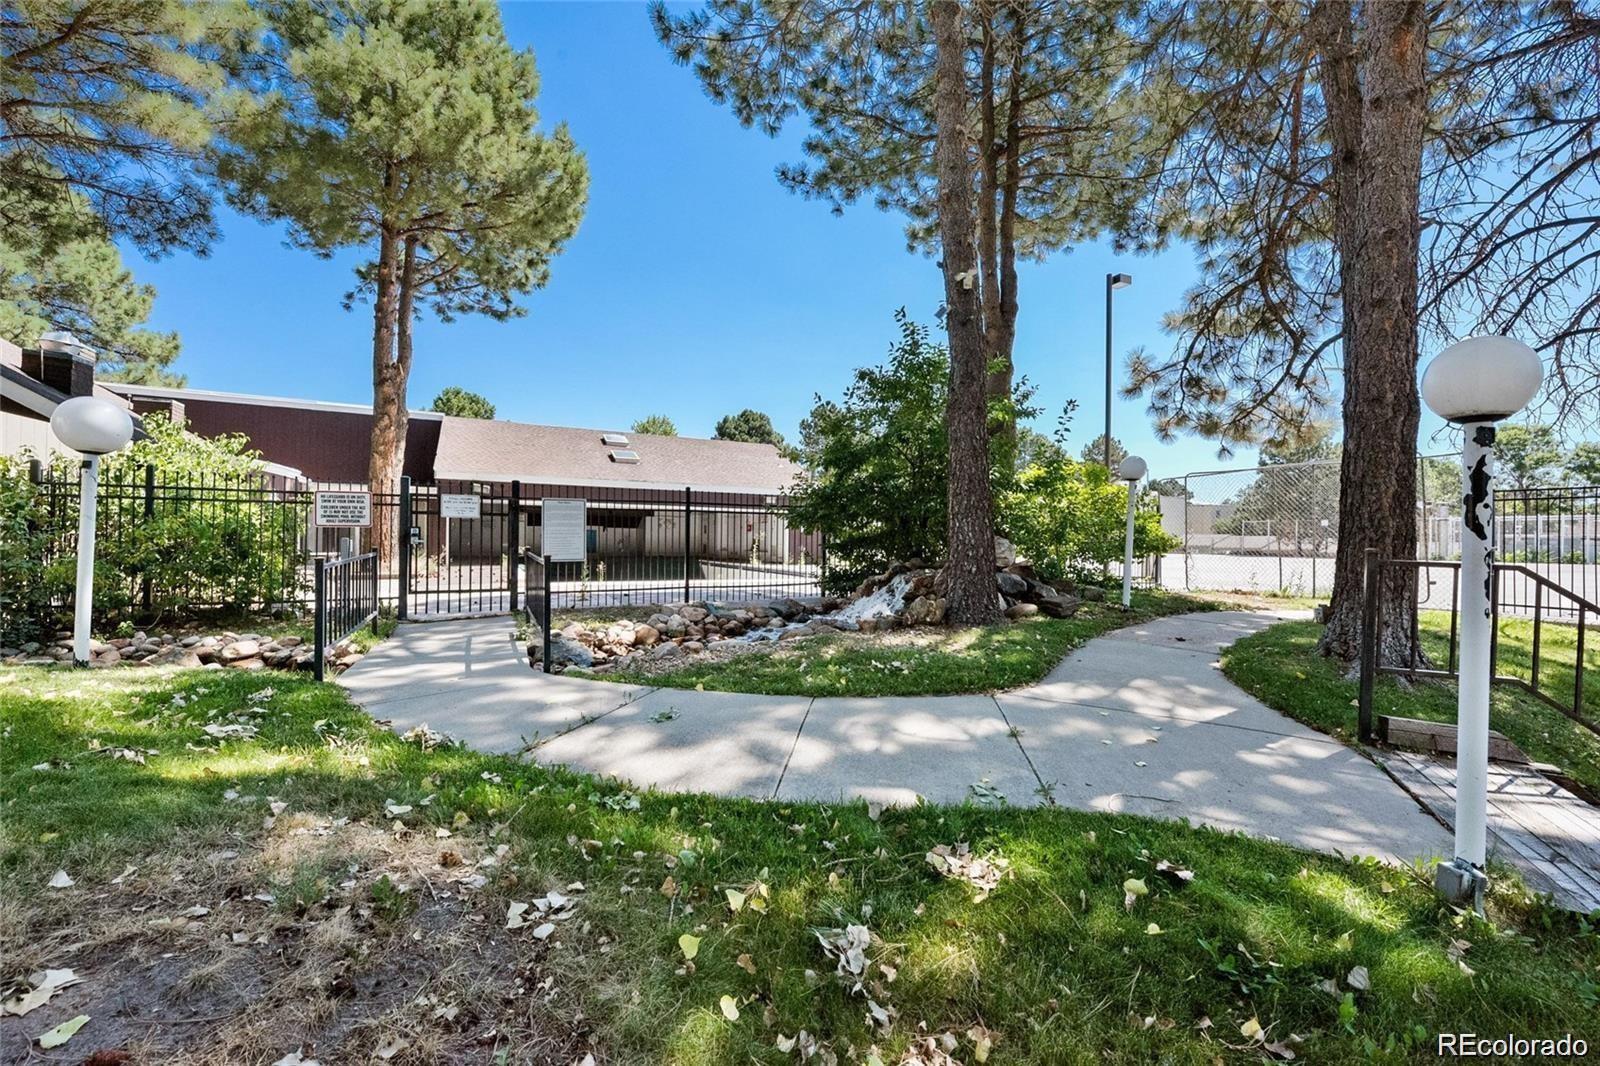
1439	738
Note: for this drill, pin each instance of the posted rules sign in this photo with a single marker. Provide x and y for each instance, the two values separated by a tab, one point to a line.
565	522
344	509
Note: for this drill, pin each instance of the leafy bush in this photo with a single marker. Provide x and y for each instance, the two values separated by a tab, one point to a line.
877	465
214	538
1070	519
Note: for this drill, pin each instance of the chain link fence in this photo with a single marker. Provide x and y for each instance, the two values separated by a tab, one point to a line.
1275	528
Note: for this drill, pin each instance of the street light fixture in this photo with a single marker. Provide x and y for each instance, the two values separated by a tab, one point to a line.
1132	470
1476	383
1113	283
94	427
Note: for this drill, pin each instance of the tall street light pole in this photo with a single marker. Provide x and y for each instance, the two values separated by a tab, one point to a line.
1113	282
1475	384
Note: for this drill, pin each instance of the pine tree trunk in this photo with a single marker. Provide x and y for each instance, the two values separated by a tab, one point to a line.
969	564
1376	108
387	457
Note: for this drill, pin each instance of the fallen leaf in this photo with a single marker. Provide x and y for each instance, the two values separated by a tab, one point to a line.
669	887
746	963
514	915
735	900
1251	1029
393	1048
1152	929
62	1033
48	985
784	1044
730	1008
1357	979
689	945
61	880
543	931
295	1058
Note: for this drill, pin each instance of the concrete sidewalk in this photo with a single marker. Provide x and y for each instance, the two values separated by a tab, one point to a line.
1140	721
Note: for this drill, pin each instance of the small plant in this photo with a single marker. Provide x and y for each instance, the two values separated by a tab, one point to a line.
390	901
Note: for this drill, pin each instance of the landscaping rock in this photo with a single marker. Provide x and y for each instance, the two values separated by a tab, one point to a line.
927	611
1018	611
239	649
1011	585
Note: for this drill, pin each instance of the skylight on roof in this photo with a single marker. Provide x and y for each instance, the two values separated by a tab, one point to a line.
616	440
623	455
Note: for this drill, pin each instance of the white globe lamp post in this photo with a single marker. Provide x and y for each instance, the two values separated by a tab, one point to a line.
1132	470
94	427
1474	384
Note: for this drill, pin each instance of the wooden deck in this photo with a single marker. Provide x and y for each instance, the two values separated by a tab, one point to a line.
1550	835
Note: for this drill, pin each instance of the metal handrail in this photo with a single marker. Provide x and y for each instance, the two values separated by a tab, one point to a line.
346	600
536	598
1372	620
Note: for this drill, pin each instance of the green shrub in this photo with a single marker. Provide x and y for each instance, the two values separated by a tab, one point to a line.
212	539
1069	519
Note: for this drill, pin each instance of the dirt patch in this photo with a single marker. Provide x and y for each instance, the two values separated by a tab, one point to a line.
341	941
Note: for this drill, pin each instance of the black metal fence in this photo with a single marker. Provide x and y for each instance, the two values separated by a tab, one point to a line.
346	596
171	544
1439	589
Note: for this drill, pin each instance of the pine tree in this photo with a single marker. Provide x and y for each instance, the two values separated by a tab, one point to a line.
407	130
103	114
1047	128
82	286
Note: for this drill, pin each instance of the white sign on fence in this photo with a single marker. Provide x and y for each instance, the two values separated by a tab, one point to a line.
565	525
451	506
344	509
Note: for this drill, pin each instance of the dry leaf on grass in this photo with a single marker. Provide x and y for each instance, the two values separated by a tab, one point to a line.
730	1008
62	880
689	945
983	874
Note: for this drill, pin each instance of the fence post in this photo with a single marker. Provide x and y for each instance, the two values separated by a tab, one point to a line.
1369	643
149	513
377	605
319	625
545	624
687	546
513	542
404	552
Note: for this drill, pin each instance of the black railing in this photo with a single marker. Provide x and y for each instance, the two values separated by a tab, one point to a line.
346	600
536	599
1546	599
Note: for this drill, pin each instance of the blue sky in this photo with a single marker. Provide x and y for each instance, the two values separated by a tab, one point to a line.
695	287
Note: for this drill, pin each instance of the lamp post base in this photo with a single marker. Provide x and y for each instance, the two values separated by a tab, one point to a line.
1461	883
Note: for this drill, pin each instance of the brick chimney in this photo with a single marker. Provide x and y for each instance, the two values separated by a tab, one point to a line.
61	361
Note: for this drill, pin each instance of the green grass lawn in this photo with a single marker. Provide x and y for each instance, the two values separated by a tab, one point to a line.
303	888
1281	667
922	662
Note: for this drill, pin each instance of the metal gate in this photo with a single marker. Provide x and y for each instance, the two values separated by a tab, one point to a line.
459	550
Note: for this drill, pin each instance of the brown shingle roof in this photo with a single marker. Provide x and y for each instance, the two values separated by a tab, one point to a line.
494	450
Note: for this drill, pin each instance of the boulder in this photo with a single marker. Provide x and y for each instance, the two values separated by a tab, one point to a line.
237	650
565	651
693	615
787	608
1005	553
666	651
1058	606
1019	611
1092	593
927	611
247	664
1011	584
645	635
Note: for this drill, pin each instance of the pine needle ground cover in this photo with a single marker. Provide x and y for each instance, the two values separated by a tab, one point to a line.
250	870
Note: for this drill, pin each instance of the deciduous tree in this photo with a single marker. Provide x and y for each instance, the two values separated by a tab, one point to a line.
454	400
656	425
754	427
